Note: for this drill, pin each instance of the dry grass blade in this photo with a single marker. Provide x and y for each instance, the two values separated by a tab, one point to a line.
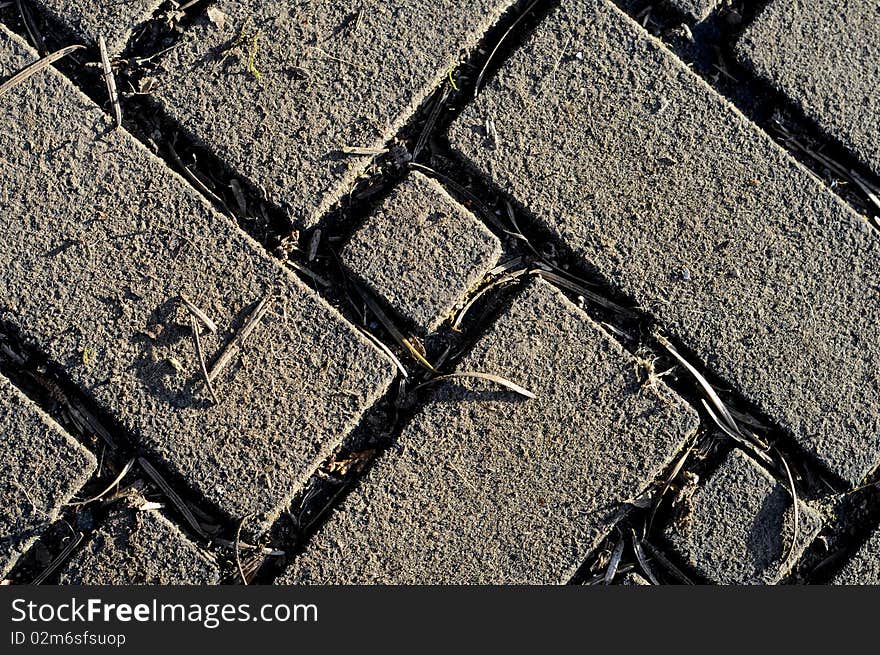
198	313
299	268
489	377
795	509
173	497
116	481
36	67
356	150
611	571
62	556
579	289
429	124
704	385
396	334
244	579
867	188
640	556
240	337
669	566
510	277
758	451
110	81
498	45
28	22
200	354
385	349
669	480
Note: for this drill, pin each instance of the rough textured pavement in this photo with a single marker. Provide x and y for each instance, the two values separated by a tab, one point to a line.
422	252
331	75
93	269
489	487
42	468
139	547
738	526
747	259
864	567
115	20
825	56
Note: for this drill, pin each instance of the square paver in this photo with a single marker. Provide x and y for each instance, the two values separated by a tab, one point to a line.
738	526
422	252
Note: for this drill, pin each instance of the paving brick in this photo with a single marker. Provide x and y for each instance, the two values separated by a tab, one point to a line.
667	191
112	19
864	567
42	468
488	487
695	9
134	547
738	525
825	56
346	73
422	252
99	238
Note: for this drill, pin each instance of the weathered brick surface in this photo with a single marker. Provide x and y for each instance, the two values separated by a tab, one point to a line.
134	547
738	524
99	238
672	195
346	73
422	252
489	487
864	567
113	19
42	468
695	9
825	56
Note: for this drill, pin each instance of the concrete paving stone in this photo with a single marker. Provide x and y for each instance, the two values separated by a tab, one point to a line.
331	75
42	468
738	525
824	55
422	252
673	196
864	567
695	9
134	547
485	486
100	238
115	20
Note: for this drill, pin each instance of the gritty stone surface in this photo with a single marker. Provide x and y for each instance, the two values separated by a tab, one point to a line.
738	524
486	486
134	547
115	20
825	56
42	468
346	73
695	9
864	567
422	252
99	238
745	258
